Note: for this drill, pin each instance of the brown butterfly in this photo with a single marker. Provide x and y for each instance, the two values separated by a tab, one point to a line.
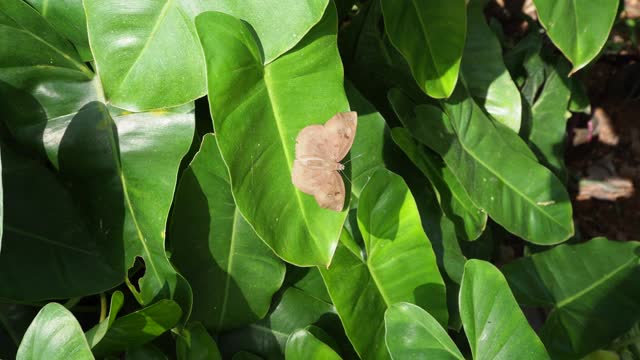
319	149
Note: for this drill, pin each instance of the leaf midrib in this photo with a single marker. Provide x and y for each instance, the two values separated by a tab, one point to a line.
508	184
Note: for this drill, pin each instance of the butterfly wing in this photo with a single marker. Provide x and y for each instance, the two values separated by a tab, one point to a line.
341	130
325	185
313	141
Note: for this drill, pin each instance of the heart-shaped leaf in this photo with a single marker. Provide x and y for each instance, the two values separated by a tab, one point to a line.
54	334
400	265
585	285
257	112
578	31
233	274
497	170
431	36
494	324
485	73
411	332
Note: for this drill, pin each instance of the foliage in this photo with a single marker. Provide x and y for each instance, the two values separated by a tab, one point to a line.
146	155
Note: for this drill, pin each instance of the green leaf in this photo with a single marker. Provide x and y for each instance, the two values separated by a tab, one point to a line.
587	286
217	250
470	221
280	25
244	355
579	31
549	123
431	36
14	321
497	170
195	343
145	352
47	238
258	111
97	333
68	18
412	333
304	345
54	334
1	201
485	73
140	327
400	265
400	258
148	56
268	337
579	102
494	324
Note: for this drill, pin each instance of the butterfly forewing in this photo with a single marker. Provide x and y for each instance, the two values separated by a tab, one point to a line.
318	150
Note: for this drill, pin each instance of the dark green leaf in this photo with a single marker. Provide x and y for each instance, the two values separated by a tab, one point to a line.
497	170
470	221
68	18
140	327
145	352
587	286
195	343
233	274
494	324
549	120
258	111
485	73
431	36
412	333
54	334
578	30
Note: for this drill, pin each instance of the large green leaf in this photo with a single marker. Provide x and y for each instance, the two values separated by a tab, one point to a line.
258	111
148	56
145	352
233	274
67	16
1	201
139	327
485	73
279	24
400	265
549	123
590	286
493	166
494	324
452	197
431	36
412	333
578	30
302	344
49	250
54	334
195	343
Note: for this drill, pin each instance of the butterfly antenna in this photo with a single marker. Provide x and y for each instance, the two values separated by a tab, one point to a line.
353	158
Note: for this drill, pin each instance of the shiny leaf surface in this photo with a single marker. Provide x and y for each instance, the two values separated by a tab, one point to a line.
258	111
302	344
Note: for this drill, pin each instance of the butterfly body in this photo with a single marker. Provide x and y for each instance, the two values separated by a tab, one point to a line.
319	150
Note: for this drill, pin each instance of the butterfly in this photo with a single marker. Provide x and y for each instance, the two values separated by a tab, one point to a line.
319	150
